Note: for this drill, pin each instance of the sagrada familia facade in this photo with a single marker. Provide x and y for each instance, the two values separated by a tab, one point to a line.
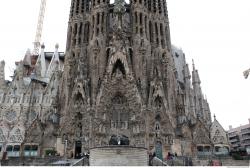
120	76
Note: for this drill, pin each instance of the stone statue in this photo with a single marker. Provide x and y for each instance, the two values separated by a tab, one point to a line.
119	140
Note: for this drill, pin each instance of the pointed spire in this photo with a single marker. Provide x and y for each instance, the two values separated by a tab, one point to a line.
27	58
2	73
41	64
214	117
195	75
193	65
54	63
187	72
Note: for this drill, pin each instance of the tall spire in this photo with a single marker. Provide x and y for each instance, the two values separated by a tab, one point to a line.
41	64
195	75
2	73
27	58
54	63
187	72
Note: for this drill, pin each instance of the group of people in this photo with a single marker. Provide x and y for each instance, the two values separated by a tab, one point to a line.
171	156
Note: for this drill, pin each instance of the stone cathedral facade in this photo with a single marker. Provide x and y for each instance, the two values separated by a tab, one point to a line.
119	76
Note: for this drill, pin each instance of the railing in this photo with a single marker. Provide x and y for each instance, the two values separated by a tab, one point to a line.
246	143
234	140
245	131
79	162
236	145
245	137
232	135
158	162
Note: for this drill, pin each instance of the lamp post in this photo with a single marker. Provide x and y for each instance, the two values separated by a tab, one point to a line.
65	149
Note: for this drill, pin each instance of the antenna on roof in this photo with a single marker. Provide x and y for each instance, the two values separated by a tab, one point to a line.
39	29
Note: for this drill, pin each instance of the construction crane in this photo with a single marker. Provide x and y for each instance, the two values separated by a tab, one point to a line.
39	29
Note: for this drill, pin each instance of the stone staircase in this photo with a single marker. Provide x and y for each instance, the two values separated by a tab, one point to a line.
118	156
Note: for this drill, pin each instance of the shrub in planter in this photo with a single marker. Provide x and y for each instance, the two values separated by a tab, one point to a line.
50	152
237	156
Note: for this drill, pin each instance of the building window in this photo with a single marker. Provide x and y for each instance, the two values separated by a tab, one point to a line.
30	150
13	150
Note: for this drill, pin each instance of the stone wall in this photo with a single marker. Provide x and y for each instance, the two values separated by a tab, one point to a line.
225	162
30	161
118	156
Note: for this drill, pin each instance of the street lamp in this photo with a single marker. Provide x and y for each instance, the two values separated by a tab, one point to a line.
65	148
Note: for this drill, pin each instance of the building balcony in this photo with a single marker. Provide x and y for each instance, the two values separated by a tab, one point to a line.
234	140
247	143
231	135
236	145
245	137
247	131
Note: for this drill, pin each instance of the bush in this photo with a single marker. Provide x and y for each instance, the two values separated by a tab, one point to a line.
50	152
237	156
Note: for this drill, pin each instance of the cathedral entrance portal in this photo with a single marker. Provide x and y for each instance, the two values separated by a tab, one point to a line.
78	149
158	150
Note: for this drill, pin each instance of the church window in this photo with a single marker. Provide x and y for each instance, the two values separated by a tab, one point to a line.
86	32
136	18
119	67
82	6
156	29
159	6
151	31
30	150
77	6
98	18
88	4
13	150
164	7
149	5
140	18
157	126
72	8
154	5
158	102
93	26
146	26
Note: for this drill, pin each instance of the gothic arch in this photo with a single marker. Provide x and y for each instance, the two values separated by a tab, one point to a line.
119	67
158	102
16	135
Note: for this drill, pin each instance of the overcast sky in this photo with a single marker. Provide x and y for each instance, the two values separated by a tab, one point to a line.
215	33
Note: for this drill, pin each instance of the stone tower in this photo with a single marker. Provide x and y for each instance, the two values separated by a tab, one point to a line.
118	74
2	74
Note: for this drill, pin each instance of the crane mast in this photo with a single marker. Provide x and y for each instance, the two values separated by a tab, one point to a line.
37	42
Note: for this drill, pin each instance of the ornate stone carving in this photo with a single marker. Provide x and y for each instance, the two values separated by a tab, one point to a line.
11	116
